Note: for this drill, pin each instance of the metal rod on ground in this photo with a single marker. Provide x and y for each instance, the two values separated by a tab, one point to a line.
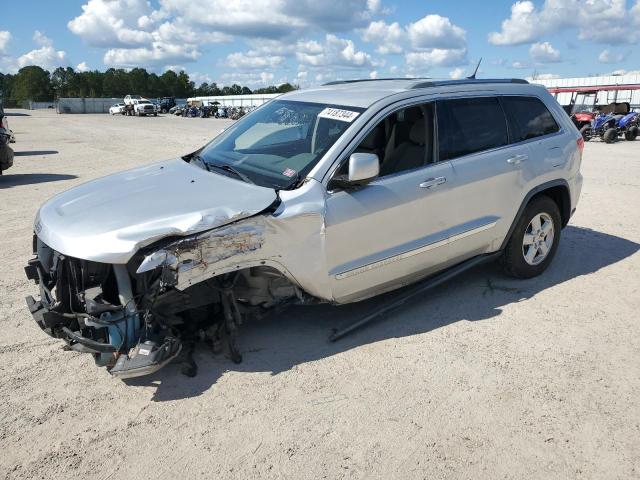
411	293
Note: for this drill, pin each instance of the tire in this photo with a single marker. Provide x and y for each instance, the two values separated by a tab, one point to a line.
585	131
610	135
631	134
6	157
155	114
513	260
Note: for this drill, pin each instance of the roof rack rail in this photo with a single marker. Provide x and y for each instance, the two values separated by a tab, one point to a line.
356	80
467	81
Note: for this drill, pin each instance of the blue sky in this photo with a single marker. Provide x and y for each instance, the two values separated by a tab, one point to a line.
261	42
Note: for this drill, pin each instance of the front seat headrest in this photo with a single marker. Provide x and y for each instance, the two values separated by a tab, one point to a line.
418	134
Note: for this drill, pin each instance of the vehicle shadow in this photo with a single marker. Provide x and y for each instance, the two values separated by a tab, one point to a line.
8	180
33	153
300	334
16	114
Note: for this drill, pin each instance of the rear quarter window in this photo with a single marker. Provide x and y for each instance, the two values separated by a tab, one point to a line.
470	125
528	118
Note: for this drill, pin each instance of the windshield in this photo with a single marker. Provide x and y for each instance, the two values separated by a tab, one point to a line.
280	142
584	102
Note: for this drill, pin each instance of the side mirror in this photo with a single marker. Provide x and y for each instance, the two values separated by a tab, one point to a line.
363	167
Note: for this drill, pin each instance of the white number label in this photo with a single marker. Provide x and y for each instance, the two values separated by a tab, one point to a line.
338	114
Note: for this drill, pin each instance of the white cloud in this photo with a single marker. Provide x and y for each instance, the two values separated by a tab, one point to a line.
607	56
41	39
373	74
431	41
5	37
388	38
82	67
606	21
113	23
46	56
436	32
544	53
159	54
520	65
266	77
428	33
456	73
253	60
250	79
336	52
519	28
137	35
437	57
272	18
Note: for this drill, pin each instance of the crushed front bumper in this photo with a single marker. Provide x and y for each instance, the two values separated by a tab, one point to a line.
91	307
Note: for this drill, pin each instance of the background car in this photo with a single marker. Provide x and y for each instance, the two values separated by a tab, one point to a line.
116	109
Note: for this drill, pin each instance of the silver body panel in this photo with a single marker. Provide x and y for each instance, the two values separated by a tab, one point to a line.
109	219
339	246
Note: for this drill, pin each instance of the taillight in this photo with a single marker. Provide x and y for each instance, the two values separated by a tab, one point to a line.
580	143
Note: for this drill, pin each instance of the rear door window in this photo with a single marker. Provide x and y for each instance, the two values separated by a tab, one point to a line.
470	125
528	118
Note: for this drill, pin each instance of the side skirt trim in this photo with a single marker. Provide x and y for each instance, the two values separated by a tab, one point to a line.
416	251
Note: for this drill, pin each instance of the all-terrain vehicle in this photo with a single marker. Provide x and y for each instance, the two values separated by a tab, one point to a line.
603	126
627	125
614	120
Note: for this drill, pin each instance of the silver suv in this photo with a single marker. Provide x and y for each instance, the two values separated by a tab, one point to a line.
332	194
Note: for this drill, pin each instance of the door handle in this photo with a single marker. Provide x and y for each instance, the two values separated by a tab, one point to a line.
432	182
515	160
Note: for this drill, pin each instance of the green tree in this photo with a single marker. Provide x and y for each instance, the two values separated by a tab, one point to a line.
170	83
287	87
62	80
115	83
139	81
6	82
32	83
185	86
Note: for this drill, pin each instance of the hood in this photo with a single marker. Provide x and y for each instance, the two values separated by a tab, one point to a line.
109	219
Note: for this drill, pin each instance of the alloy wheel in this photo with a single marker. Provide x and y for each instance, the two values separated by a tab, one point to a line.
538	239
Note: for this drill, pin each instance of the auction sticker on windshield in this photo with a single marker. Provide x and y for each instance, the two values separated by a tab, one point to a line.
338	114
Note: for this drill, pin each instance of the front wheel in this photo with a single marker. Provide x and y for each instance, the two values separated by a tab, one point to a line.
585	131
534	241
631	134
610	135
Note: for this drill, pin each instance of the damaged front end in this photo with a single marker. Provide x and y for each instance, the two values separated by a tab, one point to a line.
92	306
135	318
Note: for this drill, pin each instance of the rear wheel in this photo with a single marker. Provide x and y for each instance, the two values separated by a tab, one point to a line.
535	239
585	131
631	134
610	135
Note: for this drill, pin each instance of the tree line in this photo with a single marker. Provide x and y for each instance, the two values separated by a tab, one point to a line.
35	83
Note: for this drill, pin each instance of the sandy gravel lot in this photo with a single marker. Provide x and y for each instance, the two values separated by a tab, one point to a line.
488	377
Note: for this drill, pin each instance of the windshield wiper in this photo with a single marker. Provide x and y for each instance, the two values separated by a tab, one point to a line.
237	173
225	167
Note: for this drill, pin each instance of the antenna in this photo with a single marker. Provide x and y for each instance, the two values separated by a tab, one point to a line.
473	77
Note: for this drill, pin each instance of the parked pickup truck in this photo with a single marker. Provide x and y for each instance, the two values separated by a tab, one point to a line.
136	105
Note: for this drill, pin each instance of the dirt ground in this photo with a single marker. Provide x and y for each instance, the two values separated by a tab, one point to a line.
486	377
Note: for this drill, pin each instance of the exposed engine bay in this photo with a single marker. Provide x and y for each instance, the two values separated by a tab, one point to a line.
136	318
